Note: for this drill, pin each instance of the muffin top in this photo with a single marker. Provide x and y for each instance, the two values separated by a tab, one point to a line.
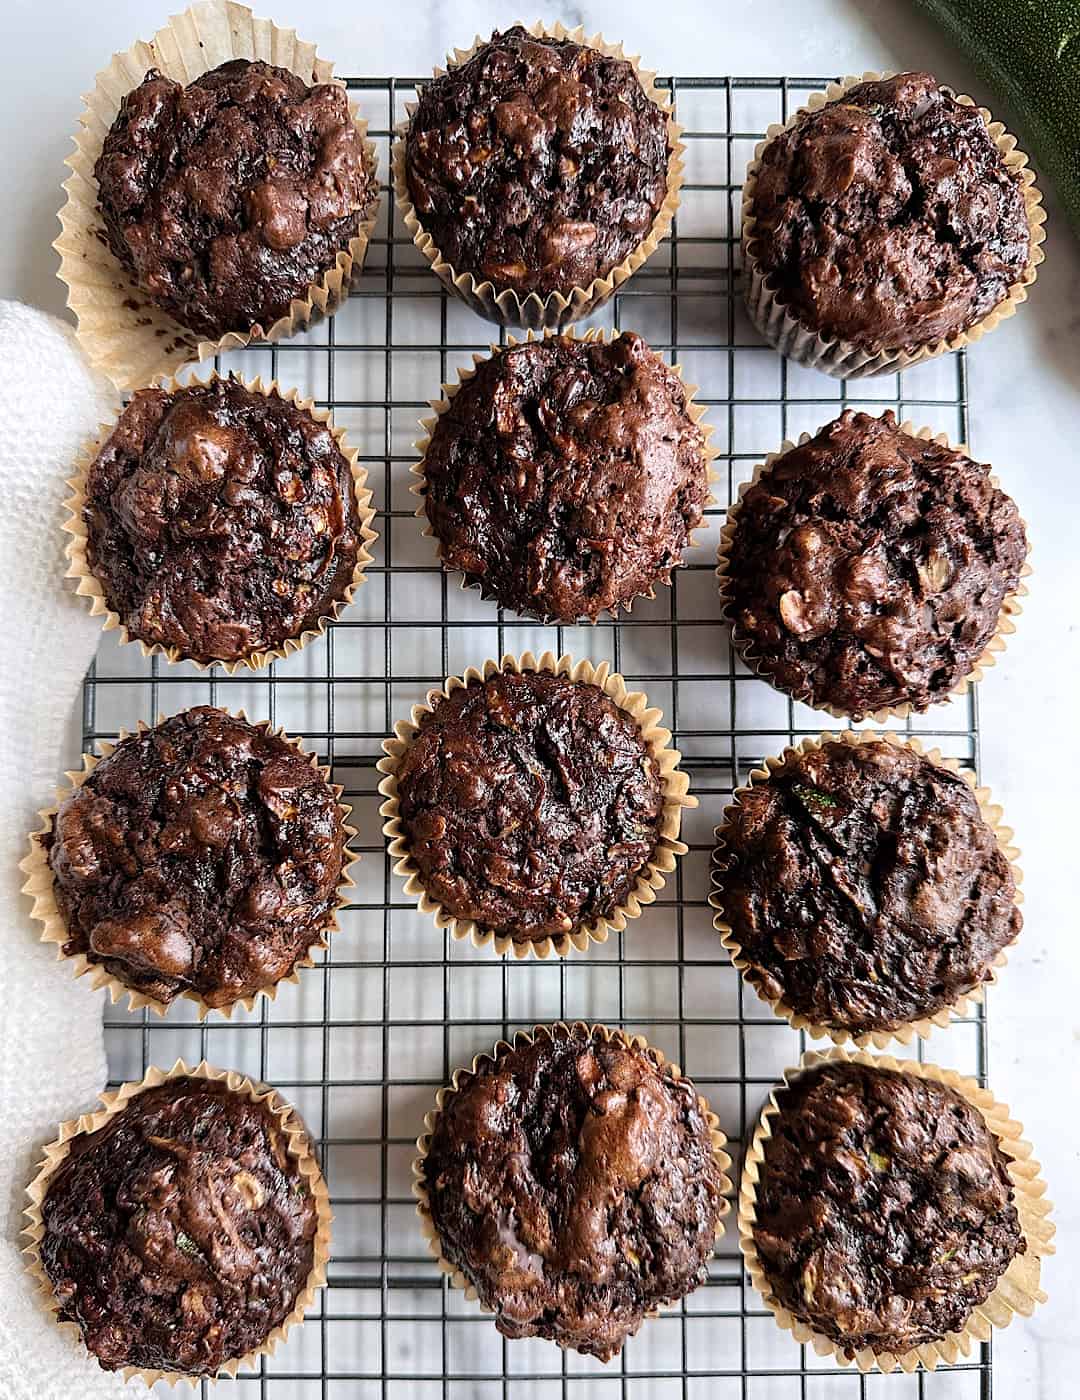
888	218
229	197
179	1235
868	568
538	165
566	476
202	855
575	1185
884	1207
864	886
220	521
529	803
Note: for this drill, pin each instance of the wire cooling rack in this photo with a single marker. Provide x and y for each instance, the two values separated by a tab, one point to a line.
362	1044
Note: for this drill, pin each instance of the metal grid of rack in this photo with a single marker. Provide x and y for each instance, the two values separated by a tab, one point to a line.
361	1045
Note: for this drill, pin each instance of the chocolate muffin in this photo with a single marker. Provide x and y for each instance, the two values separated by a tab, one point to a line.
566	476
884	1207
575	1184
888	218
868	569
201	856
863	886
221	523
179	1234
229	197
537	165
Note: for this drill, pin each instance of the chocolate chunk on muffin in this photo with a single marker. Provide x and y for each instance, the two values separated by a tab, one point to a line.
863	886
884	1207
575	1184
566	476
179	1234
868	569
201	856
229	197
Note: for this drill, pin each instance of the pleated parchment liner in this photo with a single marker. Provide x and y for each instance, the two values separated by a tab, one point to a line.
122	331
695	411
39	886
1011	607
558	1030
990	813
650	878
88	586
841	358
534	312
1018	1288
297	1144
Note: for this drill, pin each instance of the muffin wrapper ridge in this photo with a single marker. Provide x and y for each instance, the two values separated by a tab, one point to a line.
840	358
39	886
650	878
122	331
298	1144
906	1032
1011	607
88	586
1018	1288
534	312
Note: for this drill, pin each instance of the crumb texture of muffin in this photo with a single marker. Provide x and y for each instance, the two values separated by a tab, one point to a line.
530	803
884	1207
203	855
864	886
888	217
229	197
566	476
867	568
575	1186
220	522
538	164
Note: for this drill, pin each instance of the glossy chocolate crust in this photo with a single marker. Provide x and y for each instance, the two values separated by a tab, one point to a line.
884	1207
566	476
575	1186
888	217
868	568
865	887
203	855
231	196
529	803
538	165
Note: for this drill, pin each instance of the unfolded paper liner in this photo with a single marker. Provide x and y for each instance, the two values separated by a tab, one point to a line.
39	886
1011	607
1018	1288
534	312
695	411
557	1031
651	877
991	815
123	332
297	1144
88	586
841	358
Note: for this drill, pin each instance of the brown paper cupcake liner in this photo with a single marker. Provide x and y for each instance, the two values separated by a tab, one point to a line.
122	331
439	406
1018	1288
88	586
840	358
991	814
1011	607
39	886
557	308
297	1144
651	878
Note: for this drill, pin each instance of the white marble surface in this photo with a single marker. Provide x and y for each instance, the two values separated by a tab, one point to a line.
1025	391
